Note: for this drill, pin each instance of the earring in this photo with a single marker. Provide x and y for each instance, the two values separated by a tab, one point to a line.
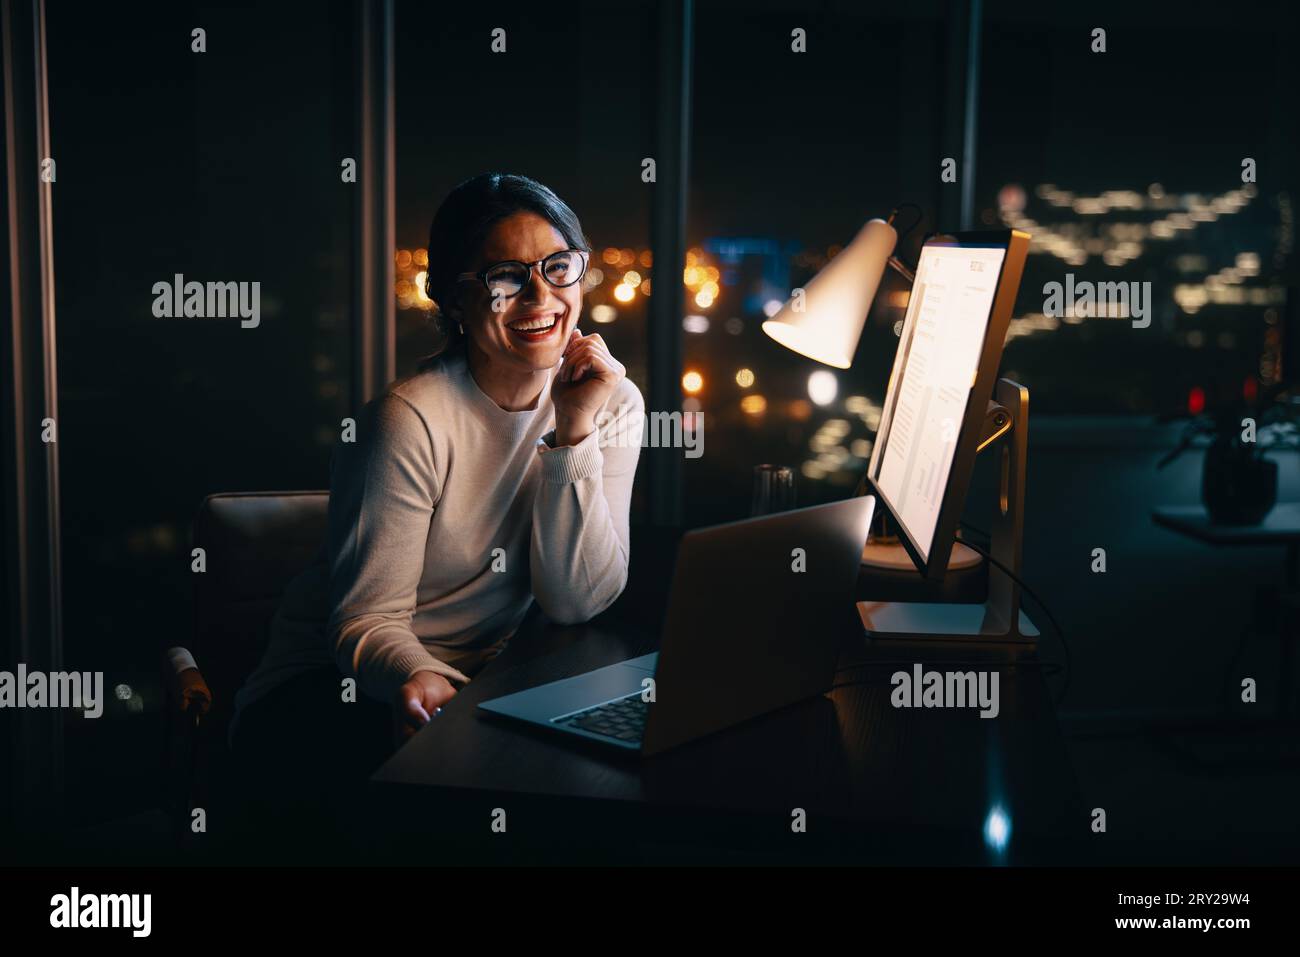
461	328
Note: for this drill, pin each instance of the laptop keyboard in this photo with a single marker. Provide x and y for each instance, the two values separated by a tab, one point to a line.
623	718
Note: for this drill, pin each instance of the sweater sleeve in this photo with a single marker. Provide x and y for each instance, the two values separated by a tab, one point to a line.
579	549
383	492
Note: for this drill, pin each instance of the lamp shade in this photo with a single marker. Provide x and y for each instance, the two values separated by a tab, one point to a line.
825	322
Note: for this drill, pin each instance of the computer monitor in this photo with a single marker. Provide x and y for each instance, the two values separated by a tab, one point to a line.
943	377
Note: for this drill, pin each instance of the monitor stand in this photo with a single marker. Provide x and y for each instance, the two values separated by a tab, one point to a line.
1000	619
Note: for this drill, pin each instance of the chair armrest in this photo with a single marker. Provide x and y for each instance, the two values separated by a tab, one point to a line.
187	691
188	700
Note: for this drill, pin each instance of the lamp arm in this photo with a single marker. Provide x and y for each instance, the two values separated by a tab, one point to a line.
902	268
997	423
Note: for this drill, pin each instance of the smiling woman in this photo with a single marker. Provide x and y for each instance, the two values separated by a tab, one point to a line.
475	486
464	252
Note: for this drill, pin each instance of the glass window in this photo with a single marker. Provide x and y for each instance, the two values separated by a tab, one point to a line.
1127	168
791	154
216	167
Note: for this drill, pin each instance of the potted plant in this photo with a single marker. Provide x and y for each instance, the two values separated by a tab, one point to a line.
1238	481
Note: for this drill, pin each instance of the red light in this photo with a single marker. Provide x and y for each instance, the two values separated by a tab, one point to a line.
1196	401
1249	389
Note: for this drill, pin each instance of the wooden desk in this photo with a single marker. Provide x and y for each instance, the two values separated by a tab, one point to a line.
878	784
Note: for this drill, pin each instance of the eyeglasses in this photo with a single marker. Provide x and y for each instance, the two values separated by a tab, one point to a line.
508	278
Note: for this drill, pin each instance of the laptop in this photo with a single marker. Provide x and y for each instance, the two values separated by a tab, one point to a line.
756	614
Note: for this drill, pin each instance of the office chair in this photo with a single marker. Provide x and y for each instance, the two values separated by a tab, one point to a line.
254	544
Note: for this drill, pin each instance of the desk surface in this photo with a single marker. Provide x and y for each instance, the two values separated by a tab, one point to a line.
921	784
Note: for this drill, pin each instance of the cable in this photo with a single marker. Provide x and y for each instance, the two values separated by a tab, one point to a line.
911	226
1056	626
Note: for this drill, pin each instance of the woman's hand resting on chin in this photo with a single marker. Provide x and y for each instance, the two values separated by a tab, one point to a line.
587	378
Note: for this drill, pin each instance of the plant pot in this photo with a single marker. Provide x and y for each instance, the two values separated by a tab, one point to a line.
1238	485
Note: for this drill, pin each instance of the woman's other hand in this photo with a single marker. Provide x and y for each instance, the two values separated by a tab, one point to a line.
587	378
419	700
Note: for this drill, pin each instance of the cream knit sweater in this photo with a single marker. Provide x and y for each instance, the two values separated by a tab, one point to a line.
448	516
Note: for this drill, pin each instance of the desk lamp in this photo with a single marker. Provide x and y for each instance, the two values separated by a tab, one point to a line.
825	322
922	471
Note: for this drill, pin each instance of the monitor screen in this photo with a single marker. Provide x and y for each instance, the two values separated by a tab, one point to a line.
929	389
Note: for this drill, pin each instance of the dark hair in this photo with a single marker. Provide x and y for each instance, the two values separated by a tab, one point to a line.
463	222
